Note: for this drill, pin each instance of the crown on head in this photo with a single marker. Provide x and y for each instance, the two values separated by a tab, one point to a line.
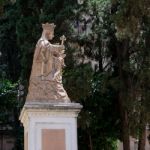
48	26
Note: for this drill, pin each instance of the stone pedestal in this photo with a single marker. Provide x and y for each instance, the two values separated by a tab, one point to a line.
50	126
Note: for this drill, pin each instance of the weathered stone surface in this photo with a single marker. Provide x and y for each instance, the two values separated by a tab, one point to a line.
45	90
46	75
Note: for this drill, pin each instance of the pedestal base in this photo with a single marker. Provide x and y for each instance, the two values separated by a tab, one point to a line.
50	126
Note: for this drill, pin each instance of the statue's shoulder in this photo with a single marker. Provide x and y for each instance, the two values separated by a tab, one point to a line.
43	43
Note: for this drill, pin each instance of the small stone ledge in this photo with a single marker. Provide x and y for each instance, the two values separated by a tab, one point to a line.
52	105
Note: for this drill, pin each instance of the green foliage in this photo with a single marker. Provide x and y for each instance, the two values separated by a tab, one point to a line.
131	20
9	111
129	16
74	78
7	99
98	113
9	59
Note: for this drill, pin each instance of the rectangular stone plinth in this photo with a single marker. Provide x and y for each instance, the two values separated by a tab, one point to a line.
50	126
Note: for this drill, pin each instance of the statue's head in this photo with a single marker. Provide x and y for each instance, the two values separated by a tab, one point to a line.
48	30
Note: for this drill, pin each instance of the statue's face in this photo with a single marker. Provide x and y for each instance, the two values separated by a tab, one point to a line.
49	34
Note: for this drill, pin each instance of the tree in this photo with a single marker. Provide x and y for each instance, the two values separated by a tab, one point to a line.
133	63
9	111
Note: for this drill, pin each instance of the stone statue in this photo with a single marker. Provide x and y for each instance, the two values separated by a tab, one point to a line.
46	75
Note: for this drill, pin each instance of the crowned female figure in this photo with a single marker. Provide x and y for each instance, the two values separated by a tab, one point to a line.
46	75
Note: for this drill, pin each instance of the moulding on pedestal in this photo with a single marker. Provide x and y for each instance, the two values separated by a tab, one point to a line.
58	118
49	109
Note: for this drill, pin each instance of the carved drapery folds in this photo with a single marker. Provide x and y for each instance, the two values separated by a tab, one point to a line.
46	75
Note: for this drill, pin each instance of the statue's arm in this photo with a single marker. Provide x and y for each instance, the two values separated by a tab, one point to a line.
43	51
43	54
57	48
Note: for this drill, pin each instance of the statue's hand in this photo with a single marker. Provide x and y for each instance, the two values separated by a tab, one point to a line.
62	51
56	43
62	47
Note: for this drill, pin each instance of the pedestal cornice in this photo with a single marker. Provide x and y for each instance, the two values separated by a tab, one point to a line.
49	109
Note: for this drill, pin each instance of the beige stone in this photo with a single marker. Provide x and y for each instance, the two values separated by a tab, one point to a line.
53	139
46	75
26	141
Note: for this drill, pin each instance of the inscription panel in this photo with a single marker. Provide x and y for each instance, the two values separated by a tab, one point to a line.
53	139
